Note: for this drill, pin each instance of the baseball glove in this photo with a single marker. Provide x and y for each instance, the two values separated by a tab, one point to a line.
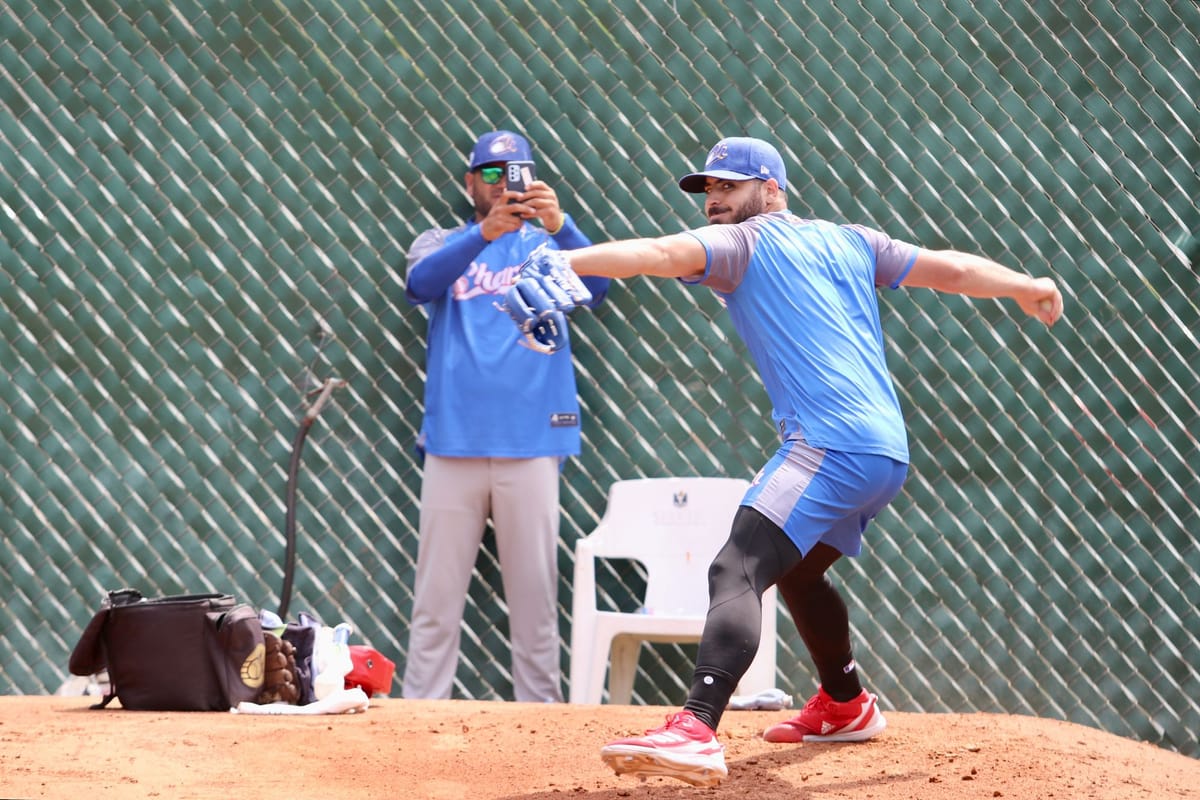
279	678
542	325
546	290
561	282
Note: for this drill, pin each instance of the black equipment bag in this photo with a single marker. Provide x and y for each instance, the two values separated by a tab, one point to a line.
195	652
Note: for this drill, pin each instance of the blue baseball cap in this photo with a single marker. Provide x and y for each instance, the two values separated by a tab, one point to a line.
738	158
499	146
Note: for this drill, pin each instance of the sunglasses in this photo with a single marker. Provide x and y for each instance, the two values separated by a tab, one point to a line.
491	175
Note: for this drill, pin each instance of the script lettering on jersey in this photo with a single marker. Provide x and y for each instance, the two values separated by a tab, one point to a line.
479	280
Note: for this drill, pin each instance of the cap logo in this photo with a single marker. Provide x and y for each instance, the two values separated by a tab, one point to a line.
502	145
720	152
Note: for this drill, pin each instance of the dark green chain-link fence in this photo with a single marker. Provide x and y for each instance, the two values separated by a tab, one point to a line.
205	208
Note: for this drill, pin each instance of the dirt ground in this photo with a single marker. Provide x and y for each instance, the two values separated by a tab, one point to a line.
56	747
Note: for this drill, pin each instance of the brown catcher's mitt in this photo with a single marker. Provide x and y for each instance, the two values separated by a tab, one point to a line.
279	679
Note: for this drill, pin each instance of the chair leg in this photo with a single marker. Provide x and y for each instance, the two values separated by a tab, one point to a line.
761	675
581	675
583	654
589	661
622	661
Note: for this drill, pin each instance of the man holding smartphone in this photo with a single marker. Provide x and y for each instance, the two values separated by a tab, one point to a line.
499	422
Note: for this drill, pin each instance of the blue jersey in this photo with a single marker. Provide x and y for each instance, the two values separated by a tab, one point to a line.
802	295
485	394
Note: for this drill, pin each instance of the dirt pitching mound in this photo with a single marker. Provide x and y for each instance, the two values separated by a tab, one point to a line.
56	747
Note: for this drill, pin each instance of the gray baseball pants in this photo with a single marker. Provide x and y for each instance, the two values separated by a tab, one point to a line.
458	496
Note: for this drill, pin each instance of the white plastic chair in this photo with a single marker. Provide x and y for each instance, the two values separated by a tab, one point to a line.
674	527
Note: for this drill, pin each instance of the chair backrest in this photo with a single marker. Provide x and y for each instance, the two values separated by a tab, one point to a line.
674	527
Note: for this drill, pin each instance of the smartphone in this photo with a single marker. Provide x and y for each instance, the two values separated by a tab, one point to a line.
519	175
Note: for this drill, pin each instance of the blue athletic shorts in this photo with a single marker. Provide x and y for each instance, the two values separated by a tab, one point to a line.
824	495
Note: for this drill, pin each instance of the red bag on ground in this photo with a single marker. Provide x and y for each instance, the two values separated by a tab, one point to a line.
371	670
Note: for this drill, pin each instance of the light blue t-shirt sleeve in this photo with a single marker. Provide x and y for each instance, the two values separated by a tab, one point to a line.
729	249
893	257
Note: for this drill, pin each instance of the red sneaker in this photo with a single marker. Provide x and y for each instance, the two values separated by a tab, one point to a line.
684	748
824	719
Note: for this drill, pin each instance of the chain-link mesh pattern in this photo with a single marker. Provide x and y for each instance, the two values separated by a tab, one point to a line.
205	208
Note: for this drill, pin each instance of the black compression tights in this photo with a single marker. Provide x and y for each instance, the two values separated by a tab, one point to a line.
757	555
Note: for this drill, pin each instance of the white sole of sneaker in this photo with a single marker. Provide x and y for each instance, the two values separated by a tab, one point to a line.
641	763
874	728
